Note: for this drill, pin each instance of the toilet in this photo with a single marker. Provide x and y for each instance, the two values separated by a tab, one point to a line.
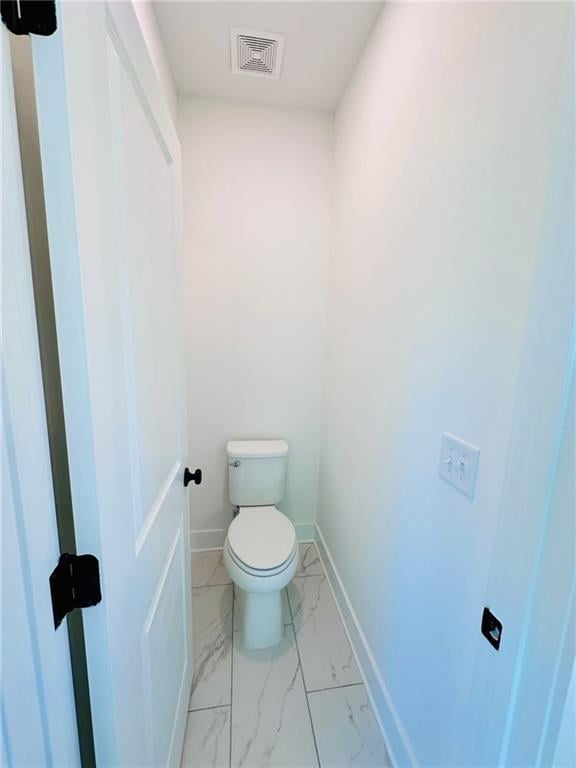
261	550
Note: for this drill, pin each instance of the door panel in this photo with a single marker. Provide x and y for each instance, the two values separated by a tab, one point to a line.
145	187
164	637
117	284
149	241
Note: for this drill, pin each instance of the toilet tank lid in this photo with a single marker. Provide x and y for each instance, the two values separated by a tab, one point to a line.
257	449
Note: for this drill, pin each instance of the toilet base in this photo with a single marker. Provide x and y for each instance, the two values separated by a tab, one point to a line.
261	618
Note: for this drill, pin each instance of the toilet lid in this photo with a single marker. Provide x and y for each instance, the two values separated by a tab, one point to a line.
262	537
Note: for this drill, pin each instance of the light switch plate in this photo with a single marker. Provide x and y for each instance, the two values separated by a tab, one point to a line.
459	463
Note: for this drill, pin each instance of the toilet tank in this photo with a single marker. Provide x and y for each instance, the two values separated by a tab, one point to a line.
256	472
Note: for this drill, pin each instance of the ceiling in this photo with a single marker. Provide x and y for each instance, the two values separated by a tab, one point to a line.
323	43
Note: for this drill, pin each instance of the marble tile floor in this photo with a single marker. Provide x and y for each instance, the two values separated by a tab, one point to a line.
301	704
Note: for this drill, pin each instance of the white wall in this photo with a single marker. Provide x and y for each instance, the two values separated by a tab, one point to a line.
149	26
256	231
443	147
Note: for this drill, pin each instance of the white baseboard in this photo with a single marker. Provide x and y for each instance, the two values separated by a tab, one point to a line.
214	538
306	531
211	539
397	742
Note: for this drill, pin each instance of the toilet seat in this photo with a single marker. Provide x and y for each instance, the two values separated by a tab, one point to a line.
262	541
260	572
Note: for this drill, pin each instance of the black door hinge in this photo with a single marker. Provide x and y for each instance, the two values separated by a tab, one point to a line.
29	17
491	628
74	583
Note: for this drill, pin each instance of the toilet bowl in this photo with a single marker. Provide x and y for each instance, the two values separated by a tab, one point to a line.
261	549
261	557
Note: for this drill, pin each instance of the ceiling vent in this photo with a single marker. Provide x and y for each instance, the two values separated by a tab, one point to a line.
255	53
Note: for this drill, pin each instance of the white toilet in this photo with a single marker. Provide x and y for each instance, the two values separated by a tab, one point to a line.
261	551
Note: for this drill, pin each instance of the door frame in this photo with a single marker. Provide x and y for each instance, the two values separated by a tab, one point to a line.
31	163
542	407
43	706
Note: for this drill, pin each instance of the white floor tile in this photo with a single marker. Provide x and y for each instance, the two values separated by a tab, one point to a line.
310	564
346	730
327	659
207	739
270	721
212	628
208	569
285	611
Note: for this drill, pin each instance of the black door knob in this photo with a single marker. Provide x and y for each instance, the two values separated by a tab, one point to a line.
196	476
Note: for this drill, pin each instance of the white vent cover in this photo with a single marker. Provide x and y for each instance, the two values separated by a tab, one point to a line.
254	53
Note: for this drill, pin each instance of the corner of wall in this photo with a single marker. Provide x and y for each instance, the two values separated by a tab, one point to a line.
395	737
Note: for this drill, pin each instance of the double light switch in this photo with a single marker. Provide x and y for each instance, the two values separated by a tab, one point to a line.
459	463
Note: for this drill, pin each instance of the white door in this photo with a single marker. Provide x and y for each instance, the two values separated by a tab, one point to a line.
519	690
111	163
38	717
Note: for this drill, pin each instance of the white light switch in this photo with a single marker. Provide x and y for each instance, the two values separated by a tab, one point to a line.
459	463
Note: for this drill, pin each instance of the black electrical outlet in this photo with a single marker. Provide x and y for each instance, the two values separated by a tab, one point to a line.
491	628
